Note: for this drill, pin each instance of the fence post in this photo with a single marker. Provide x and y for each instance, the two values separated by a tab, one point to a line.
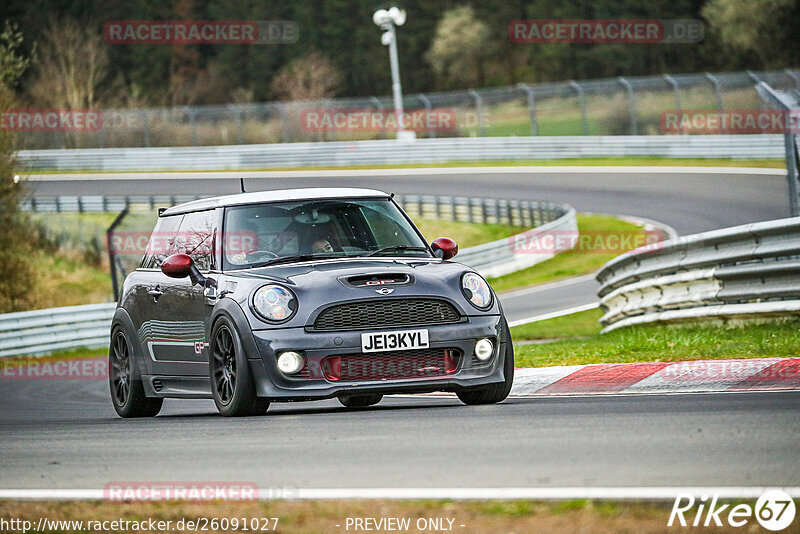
531	107
582	101
479	110
793	75
285	135
788	104
237	119
377	103
756	80
101	137
676	90
111	256
427	103
717	90
329	106
793	170
193	124
145	127
631	104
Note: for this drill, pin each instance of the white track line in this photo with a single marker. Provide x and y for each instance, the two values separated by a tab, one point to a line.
631	492
552	315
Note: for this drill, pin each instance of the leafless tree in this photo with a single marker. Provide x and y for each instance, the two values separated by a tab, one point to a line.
72	64
309	77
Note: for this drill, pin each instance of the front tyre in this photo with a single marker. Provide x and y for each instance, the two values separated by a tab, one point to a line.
496	392
359	401
127	390
231	381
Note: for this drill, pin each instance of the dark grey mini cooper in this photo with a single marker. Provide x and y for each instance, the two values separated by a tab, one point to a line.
300	295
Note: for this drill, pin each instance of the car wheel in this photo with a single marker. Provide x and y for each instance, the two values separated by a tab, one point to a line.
127	390
359	401
496	392
231	382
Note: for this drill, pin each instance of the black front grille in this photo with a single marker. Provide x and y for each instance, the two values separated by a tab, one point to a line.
388	313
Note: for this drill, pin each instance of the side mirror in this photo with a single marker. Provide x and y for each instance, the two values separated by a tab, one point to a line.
444	247
181	266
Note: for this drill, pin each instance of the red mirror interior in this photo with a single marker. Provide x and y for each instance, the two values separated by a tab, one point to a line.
177	266
444	247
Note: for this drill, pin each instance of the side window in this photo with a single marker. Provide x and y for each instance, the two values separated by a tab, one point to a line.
196	238
161	241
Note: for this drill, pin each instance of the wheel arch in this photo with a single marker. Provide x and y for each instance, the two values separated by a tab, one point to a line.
231	310
122	320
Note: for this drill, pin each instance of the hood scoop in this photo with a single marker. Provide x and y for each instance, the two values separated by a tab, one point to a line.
378	280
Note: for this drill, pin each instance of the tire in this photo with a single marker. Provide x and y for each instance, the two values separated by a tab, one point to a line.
359	401
125	382
231	381
496	392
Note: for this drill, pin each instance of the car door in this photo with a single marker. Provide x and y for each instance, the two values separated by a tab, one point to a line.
179	346
148	284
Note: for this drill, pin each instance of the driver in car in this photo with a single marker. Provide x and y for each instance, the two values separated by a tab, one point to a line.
320	242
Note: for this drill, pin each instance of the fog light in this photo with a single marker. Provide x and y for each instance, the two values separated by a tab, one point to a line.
484	349
290	362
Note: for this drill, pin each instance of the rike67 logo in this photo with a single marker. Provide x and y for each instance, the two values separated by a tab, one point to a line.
774	510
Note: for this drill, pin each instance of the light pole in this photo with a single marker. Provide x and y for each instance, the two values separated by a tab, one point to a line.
387	19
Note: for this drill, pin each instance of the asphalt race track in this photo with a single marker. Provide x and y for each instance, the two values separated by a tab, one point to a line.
64	434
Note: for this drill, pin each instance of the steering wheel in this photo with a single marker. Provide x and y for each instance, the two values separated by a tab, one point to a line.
260	255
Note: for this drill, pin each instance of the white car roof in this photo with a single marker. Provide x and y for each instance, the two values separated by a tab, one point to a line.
308	193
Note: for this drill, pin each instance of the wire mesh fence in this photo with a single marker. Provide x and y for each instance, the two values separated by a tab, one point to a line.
614	106
788	103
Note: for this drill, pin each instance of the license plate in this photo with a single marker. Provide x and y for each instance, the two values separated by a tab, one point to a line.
396	340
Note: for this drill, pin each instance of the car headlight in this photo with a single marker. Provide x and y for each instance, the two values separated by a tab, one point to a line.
274	303
476	290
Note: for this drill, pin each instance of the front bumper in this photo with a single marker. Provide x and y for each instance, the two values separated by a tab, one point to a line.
316	346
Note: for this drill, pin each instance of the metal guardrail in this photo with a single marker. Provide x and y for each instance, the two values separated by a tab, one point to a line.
739	272
392	152
501	257
43	331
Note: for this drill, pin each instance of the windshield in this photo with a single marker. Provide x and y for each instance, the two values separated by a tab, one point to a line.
285	231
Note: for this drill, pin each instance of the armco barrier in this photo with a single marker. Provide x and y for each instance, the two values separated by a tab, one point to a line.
392	152
44	331
740	272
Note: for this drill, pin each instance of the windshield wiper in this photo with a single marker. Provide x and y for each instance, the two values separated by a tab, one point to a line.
297	257
396	248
